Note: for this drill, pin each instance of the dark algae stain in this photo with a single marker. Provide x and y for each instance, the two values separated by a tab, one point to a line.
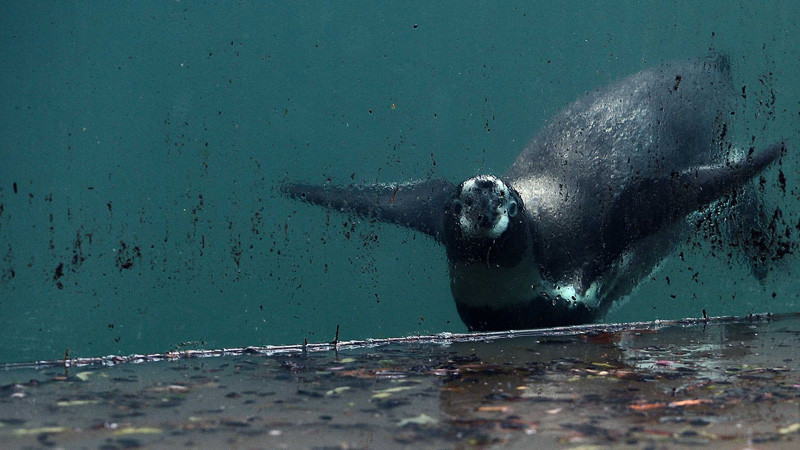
77	250
773	242
127	256
8	271
59	272
236	251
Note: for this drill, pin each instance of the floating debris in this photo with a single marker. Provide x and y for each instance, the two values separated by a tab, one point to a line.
139	430
77	402
422	419
83	376
37	431
793	428
338	390
721	382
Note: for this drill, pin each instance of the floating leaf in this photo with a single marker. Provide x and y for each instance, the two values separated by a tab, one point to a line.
692	402
646	406
171	388
384	393
606	365
83	376
77	402
139	430
422	419
493	408
40	430
338	390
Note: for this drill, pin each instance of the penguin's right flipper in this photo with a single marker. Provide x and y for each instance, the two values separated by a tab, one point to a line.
761	235
651	204
416	205
750	230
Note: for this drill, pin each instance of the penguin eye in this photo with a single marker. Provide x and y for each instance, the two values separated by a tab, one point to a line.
512	209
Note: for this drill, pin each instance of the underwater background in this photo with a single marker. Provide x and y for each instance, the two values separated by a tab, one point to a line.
142	143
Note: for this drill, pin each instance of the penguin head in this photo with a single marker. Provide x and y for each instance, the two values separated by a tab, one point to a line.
484	214
484	206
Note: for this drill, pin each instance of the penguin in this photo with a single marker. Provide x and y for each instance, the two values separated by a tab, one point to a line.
590	207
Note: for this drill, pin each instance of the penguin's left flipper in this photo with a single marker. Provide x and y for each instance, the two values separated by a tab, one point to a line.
651	204
416	205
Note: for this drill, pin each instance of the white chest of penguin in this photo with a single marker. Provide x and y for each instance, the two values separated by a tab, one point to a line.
482	285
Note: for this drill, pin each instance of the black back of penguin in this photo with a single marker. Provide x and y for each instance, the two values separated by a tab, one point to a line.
658	122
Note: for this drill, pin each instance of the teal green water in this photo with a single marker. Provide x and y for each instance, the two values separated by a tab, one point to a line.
141	143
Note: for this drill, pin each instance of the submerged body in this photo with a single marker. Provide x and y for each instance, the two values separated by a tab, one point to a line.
588	209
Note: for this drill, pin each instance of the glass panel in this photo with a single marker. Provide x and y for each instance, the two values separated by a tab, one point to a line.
145	146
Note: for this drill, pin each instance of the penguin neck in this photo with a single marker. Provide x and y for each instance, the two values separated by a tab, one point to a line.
507	251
